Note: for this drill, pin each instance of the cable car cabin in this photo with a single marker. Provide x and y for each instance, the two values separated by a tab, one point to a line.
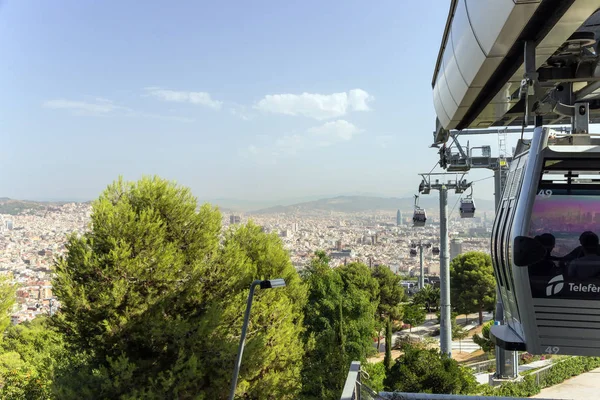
435	251
545	247
467	208
413	252
419	217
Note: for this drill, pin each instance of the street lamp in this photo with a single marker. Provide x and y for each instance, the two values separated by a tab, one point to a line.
266	284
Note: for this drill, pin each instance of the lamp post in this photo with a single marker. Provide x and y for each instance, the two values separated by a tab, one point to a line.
266	284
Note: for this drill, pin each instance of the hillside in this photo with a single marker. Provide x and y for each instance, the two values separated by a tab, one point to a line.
14	207
352	204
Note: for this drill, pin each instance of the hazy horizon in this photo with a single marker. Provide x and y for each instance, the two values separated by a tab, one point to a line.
241	101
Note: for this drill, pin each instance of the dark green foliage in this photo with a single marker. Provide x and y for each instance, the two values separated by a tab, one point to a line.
559	372
484	341
414	315
472	282
340	321
376	374
387	360
391	293
7	301
421	370
152	306
428	297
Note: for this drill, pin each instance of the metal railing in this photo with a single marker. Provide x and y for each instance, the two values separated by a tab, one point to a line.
481	366
352	386
541	373
355	390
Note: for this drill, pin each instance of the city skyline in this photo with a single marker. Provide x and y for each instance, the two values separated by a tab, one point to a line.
206	95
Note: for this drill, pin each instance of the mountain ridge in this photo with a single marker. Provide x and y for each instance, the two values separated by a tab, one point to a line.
351	204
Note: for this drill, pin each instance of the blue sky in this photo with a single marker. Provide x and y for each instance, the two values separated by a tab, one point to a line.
249	100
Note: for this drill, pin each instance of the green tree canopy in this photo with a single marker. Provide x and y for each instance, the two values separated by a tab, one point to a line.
484	341
414	315
30	354
472	283
152	304
391	293
428	297
421	370
340	321
7	301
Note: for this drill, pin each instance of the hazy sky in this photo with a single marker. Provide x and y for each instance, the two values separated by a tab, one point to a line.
250	100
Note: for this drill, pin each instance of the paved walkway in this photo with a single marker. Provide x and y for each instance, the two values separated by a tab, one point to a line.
585	386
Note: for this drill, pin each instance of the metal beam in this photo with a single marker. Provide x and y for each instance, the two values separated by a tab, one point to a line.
586	91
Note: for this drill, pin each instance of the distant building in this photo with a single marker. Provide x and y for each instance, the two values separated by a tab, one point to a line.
338	245
295	227
234	219
342	254
399	218
285	233
455	248
9	225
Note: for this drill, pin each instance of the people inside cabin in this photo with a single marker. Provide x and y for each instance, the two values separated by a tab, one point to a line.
548	265
588	264
577	252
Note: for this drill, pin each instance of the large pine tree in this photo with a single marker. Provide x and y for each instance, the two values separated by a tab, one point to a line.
152	302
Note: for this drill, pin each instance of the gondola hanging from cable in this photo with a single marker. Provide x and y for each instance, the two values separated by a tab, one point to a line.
467	206
419	215
545	247
413	252
435	251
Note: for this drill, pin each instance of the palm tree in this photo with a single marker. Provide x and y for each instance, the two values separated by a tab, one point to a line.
429	297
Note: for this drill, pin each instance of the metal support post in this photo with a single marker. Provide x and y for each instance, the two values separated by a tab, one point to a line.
445	311
422	269
238	361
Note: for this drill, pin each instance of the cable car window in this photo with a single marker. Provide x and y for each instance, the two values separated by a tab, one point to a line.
502	249
496	248
514	312
565	219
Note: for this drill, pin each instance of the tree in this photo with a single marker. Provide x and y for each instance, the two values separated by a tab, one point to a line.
272	363
484	341
414	315
428	297
152	304
473	283
30	354
376	375
387	360
7	301
391	295
340	320
421	370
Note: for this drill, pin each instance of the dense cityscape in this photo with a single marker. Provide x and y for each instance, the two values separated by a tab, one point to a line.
32	239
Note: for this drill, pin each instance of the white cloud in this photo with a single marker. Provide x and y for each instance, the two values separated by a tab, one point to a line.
199	98
324	135
333	132
105	107
317	106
